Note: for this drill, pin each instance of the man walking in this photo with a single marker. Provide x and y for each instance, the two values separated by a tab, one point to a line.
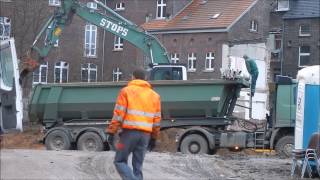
138	113
254	72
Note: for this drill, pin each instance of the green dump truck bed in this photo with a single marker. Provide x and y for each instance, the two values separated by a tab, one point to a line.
180	99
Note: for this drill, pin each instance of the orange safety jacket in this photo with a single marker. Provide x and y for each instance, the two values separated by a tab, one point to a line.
138	107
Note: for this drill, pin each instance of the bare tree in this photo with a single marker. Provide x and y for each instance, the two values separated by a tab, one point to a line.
27	18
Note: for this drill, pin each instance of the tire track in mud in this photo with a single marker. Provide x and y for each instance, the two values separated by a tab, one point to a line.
99	166
157	166
181	166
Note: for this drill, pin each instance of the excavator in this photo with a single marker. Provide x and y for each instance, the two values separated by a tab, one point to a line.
161	69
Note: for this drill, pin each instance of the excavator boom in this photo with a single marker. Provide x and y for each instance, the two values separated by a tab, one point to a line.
113	23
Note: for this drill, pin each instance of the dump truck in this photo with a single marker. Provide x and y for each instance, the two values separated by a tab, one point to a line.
75	115
78	114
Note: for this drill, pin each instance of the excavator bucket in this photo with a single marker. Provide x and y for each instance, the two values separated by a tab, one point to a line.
28	64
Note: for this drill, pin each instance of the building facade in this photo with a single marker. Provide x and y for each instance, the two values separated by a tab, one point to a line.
301	46
208	36
294	36
197	34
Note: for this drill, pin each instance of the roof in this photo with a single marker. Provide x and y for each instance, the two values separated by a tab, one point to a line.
202	14
303	9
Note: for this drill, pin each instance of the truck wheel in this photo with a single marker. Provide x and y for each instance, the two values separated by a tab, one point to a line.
194	144
90	141
284	146
57	140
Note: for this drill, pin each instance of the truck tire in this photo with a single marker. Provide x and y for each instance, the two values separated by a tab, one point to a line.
90	141
58	140
284	146
194	144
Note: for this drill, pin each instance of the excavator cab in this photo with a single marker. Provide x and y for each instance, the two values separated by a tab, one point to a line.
168	72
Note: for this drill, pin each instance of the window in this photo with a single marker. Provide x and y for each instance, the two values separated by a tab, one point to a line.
192	60
92	5
253	26
54	3
120	6
161	9
174	58
215	16
304	30
118	43
162	74
40	74
5	28
209	61
56	44
277	41
275	45
283	5
90	40
304	55
166	73
89	72
61	73
116	74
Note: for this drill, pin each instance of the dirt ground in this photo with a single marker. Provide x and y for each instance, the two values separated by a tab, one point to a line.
28	139
42	164
31	137
224	164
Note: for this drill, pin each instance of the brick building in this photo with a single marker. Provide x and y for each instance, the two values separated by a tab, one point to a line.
197	35
294	31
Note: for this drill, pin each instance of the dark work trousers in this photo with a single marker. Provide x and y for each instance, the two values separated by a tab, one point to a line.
254	77
135	142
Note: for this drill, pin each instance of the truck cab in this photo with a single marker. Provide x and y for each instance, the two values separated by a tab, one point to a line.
283	96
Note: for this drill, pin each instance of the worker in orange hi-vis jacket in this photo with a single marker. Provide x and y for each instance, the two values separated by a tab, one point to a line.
138	113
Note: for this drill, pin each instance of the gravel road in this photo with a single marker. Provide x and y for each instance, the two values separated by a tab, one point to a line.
42	164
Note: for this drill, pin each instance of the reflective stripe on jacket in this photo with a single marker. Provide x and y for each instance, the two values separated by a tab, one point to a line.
138	107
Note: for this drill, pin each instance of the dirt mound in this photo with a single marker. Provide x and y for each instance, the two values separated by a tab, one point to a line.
167	141
28	139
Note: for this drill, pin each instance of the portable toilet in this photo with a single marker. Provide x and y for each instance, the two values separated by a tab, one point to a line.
308	106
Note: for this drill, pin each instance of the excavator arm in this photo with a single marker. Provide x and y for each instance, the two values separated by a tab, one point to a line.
113	23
